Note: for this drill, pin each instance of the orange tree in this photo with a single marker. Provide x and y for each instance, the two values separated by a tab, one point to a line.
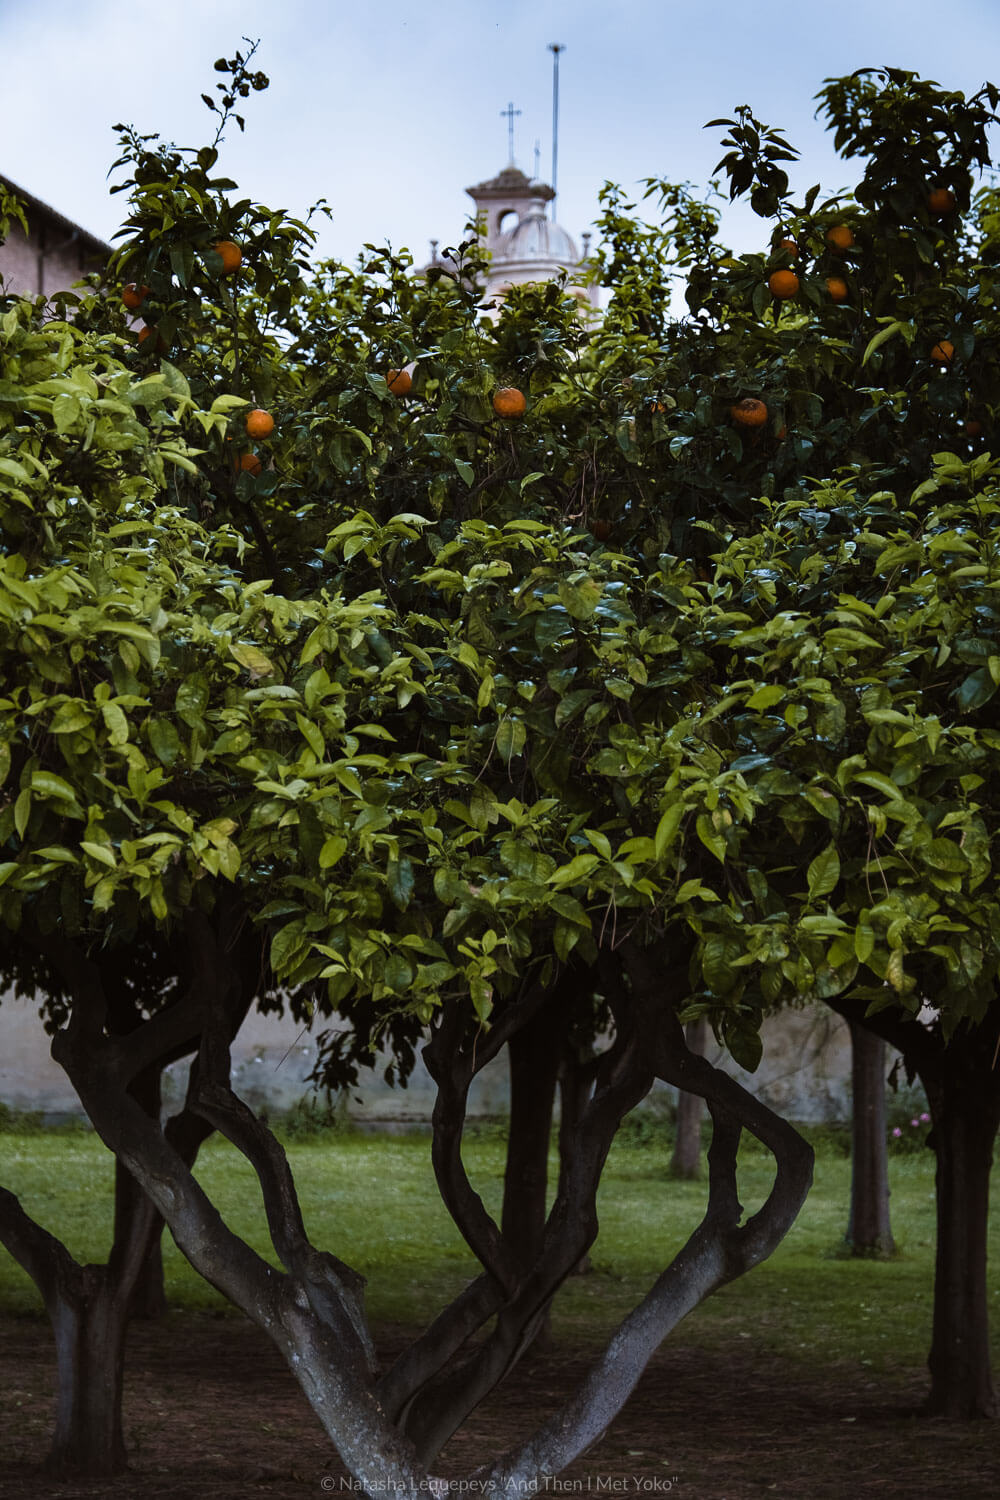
636	432
464	728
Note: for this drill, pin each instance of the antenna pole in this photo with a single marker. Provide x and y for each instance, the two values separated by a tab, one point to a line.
555	48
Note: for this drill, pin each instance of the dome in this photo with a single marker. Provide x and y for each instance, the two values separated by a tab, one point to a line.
537	238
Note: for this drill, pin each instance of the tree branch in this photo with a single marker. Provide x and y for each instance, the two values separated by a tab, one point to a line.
718	1250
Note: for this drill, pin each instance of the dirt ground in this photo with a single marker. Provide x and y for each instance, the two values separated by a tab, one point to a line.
211	1411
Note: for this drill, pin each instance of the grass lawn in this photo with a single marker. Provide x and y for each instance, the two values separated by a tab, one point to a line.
371	1200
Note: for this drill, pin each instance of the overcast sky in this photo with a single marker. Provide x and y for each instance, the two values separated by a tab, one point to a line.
391	110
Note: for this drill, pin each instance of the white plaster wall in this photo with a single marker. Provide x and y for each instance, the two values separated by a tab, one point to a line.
805	1074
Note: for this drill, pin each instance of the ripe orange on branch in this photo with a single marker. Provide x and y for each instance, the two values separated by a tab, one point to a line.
230	254
750	412
147	331
510	402
400	382
259	424
840	237
943	352
837	287
941	202
134	295
783	284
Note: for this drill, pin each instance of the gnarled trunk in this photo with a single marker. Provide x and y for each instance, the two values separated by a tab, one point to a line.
389	1428
869	1232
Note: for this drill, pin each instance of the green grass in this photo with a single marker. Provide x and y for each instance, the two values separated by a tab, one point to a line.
372	1201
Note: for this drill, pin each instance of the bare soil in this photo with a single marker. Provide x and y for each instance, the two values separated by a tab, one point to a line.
211	1411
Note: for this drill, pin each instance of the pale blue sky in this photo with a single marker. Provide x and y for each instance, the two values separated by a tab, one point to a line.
390	110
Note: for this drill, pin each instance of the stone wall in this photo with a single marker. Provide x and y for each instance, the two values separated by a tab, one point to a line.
805	1074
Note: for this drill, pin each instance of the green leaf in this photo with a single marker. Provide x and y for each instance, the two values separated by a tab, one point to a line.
766	697
824	872
744	1043
254	660
116	723
598	841
401	882
399	973
580	599
880	338
714	841
47	784
978	688
333	848
511	736
578	869
22	811
864	938
101	852
313	736
666	829
164	740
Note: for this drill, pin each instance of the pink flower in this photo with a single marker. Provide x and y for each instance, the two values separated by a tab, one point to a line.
897	1132
925	1118
915	1124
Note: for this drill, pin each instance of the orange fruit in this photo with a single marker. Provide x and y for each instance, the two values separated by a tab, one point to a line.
781	434
510	402
837	287
134	296
230	254
148	331
400	382
783	284
840	237
259	424
749	412
943	352
250	464
788	245
941	202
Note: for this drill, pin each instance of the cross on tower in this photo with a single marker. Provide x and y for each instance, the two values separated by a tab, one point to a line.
510	112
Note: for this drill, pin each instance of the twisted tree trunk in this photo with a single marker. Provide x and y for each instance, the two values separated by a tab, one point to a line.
388	1429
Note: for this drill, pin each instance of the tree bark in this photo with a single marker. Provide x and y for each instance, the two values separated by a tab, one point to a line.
533	1058
149	1298
685	1163
869	1232
964	1131
89	1321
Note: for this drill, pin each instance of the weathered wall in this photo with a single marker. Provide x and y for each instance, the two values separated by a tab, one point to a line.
805	1075
52	257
